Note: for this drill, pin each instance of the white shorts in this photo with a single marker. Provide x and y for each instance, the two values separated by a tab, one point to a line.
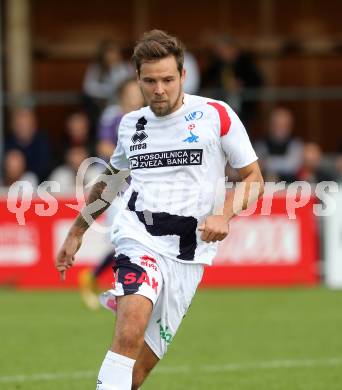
170	285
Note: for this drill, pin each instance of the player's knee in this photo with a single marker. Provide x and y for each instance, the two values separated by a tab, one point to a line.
129	340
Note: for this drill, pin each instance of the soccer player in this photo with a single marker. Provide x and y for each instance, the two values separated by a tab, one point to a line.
175	150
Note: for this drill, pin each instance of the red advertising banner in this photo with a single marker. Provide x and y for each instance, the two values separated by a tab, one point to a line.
260	249
28	251
268	249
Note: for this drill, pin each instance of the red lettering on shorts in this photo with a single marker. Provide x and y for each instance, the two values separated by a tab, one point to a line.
147	261
148	258
154	285
130	278
144	279
148	265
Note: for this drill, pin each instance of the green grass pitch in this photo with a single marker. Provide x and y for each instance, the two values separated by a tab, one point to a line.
272	339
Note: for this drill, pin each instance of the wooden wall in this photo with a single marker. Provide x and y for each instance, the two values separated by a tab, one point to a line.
297	43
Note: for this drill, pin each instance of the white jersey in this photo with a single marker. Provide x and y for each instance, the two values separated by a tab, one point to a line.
177	165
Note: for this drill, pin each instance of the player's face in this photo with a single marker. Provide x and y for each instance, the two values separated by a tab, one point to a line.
162	85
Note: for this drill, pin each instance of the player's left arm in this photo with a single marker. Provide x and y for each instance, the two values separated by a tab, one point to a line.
240	155
216	227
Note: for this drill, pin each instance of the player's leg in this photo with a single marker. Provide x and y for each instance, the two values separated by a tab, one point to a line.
133	314
106	262
179	287
87	281
88	287
146	361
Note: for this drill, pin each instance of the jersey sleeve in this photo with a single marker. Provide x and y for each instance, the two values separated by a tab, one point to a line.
234	140
119	159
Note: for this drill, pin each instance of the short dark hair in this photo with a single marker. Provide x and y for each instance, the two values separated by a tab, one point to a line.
155	45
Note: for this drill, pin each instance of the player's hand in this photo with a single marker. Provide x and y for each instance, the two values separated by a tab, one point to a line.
66	255
214	228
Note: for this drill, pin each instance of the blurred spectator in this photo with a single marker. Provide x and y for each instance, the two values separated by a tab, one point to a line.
26	137
69	176
102	79
14	169
130	99
192	79
311	169
338	167
230	72
280	152
77	131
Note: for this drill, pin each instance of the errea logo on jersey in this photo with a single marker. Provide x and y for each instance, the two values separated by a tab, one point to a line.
139	136
195	115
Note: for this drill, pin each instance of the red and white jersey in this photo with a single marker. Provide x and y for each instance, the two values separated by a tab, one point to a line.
177	165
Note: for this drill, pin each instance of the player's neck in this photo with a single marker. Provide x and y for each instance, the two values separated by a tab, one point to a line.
179	103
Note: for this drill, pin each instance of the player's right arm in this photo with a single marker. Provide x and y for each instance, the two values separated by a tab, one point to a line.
100	198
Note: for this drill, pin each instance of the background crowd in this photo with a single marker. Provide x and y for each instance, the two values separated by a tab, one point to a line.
109	91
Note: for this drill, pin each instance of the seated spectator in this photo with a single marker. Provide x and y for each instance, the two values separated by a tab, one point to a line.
102	80
230	72
14	169
130	99
311	169
280	152
68	175
26	137
77	131
338	166
192	79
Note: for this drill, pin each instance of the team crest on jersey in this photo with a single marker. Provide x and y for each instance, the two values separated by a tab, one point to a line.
139	136
193	137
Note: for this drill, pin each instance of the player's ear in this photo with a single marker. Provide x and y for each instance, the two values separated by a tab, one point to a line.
137	75
183	75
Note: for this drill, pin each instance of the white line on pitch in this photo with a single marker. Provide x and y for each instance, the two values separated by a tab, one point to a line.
231	367
274	364
47	377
